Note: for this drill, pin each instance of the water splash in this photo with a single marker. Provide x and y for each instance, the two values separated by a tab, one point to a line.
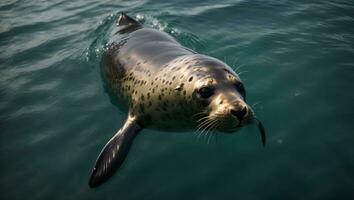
186	38
94	52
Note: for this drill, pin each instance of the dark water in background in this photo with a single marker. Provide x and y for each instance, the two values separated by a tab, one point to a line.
56	116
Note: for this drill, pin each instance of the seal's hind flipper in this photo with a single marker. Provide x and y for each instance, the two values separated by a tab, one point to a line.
114	153
124	20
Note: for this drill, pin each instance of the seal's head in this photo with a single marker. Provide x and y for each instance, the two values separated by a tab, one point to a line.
222	95
215	95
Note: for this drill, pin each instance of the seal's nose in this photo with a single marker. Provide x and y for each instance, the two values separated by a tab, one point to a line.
239	113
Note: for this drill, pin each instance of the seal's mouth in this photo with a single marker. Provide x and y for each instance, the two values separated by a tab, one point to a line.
211	123
241	124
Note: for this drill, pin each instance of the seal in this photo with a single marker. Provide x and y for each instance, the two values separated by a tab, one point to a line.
166	86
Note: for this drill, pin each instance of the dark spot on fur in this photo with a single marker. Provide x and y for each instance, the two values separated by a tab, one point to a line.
142	109
190	79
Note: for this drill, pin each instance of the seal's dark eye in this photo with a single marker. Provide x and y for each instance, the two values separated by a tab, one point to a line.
241	89
206	92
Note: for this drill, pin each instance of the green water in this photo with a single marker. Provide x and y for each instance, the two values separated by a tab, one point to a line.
297	62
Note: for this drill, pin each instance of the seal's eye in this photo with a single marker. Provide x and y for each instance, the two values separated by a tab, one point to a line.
241	89
206	92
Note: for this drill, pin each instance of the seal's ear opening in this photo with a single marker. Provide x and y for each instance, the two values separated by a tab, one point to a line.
124	20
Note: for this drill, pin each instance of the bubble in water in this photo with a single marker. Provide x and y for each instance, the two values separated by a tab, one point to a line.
297	93
279	141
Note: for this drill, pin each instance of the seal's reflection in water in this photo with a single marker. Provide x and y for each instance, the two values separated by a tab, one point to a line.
166	86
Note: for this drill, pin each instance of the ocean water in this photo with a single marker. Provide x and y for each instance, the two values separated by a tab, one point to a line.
297	62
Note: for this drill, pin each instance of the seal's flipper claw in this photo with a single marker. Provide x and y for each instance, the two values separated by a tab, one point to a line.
262	132
124	19
113	153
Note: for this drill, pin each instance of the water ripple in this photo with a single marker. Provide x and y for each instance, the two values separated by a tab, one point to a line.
55	115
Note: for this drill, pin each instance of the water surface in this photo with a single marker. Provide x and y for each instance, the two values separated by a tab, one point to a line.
297	62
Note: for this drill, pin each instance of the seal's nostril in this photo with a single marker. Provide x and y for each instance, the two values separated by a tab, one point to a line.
233	112
239	113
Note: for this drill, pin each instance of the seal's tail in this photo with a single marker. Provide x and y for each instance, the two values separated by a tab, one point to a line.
124	20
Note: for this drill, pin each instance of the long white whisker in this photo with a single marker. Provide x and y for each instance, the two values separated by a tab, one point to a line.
235	61
203	118
242	72
218	122
211	130
205	126
203	123
200	113
256	103
202	126
239	67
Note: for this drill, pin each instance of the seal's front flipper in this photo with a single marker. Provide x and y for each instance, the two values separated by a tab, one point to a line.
114	152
